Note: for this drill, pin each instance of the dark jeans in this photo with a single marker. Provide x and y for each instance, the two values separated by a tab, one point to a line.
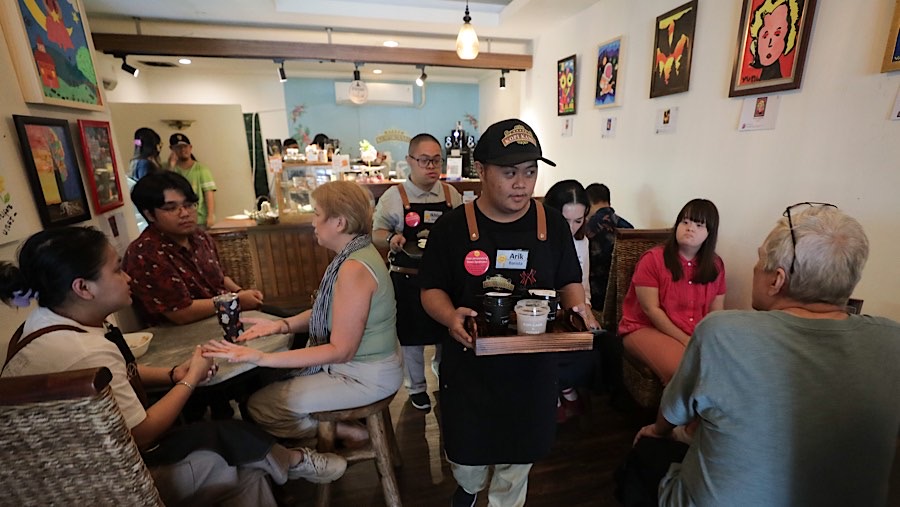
637	480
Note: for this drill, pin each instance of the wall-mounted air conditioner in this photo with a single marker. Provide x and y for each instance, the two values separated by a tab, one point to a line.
379	93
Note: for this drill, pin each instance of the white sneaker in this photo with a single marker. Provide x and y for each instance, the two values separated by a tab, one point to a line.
318	468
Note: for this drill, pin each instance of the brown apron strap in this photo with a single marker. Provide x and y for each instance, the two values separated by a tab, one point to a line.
403	196
471	222
446	188
541	221
16	345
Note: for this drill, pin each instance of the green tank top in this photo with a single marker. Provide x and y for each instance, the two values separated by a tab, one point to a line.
379	338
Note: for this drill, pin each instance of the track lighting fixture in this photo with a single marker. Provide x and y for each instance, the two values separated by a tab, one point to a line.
467	40
420	81
282	76
503	79
134	71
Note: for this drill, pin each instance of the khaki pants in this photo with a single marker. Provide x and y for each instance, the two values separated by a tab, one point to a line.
509	484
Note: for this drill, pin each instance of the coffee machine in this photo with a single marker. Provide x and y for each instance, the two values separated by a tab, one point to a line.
459	144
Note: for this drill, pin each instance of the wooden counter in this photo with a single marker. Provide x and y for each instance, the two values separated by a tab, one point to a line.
284	260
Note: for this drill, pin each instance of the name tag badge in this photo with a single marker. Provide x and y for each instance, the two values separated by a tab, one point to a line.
512	259
432	216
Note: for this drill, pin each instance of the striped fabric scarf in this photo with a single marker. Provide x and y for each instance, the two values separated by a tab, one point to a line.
318	321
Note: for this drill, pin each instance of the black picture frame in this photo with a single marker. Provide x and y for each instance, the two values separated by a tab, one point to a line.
673	45
51	165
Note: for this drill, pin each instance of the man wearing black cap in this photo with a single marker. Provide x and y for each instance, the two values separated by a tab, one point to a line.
183	162
497	410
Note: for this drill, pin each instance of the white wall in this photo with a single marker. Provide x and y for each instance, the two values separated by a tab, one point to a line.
218	139
833	141
495	104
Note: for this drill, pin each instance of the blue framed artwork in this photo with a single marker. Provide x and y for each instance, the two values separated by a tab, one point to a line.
609	55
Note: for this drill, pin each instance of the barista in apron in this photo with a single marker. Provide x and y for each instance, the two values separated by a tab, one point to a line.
412	208
497	410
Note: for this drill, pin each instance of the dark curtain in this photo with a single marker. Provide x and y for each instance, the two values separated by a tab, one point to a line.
257	154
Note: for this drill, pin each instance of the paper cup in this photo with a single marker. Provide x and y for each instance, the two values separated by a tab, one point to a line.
531	319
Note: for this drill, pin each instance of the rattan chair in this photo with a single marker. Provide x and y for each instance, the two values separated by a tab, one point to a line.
642	384
63	441
236	256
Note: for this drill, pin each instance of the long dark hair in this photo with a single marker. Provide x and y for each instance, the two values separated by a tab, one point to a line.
702	211
50	261
568	192
146	144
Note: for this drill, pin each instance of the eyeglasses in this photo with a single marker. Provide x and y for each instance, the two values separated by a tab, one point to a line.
787	213
425	161
174	207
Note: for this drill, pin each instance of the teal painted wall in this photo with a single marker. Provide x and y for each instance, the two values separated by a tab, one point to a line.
311	108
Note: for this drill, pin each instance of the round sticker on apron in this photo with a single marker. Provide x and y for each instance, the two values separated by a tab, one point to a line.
413	219
477	263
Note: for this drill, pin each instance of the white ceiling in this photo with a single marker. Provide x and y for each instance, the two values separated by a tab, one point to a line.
504	26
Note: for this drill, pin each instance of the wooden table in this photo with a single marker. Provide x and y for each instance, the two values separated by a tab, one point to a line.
171	345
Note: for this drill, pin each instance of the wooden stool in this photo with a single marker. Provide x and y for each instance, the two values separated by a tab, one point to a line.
382	446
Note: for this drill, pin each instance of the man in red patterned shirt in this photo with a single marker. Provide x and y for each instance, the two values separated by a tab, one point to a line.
174	266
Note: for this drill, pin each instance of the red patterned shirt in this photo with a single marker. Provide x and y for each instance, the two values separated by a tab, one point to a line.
166	277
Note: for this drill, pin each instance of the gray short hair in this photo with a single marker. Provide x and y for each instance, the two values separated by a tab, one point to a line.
831	251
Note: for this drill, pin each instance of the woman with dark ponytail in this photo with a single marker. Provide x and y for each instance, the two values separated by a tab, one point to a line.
146	153
76	277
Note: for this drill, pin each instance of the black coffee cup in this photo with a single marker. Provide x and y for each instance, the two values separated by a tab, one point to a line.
550	296
496	306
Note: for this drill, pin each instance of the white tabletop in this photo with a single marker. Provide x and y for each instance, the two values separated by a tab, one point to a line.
172	345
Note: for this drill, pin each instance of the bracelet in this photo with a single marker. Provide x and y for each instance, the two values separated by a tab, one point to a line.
390	237
172	374
287	325
189	386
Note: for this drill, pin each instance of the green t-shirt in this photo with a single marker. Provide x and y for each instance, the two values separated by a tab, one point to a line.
201	181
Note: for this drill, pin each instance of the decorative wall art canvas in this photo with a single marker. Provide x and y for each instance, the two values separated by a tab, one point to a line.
672	54
565	84
52	170
771	46
100	160
892	50
51	48
608	73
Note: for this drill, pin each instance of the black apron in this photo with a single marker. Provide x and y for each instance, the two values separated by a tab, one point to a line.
500	409
414	326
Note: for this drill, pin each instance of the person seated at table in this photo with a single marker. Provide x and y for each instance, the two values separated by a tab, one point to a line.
174	265
673	287
75	274
353	355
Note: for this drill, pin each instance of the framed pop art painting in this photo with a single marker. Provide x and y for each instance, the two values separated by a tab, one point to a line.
673	45
608	74
565	86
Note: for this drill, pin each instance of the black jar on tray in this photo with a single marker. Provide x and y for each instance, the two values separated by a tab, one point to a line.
496	307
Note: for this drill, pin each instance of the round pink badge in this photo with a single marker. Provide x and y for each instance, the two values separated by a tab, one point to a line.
477	263
413	219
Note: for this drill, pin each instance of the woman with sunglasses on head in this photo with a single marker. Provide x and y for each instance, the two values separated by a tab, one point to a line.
673	287
76	277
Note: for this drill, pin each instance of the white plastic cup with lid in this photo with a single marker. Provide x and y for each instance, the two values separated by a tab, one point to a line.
531	319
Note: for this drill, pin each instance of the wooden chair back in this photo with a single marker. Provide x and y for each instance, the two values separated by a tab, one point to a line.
630	245
63	441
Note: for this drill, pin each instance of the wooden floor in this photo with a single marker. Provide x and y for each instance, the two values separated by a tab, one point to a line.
579	471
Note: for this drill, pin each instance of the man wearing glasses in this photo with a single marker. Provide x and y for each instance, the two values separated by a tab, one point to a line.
796	403
174	266
403	217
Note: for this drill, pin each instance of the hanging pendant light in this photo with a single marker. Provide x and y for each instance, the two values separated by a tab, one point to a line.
467	40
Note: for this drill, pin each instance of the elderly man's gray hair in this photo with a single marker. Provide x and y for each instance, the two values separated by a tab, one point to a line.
831	251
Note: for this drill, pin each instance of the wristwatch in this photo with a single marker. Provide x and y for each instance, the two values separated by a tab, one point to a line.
390	237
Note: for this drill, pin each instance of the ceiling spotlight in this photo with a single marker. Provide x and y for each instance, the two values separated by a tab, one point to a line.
376	71
184	61
467	40
129	69
282	76
420	81
391	43
503	79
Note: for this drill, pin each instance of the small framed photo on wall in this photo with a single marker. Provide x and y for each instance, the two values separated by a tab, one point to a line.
565	84
100	161
892	50
771	46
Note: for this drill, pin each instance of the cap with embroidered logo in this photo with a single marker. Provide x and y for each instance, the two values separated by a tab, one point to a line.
507	143
179	138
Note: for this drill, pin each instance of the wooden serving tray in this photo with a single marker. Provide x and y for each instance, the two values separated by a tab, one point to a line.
566	333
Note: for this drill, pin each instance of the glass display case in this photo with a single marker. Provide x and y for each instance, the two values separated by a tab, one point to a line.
299	179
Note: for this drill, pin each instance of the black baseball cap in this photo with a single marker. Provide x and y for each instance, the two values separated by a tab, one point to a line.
179	138
509	142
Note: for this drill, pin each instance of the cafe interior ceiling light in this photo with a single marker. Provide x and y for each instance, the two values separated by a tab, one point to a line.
420	81
359	91
467	40
134	71
376	71
282	76
391	43
503	79
184	61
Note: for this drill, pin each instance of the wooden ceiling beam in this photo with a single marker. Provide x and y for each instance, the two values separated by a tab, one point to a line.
157	45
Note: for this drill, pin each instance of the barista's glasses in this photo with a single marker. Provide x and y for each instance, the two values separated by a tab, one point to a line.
176	207
424	162
787	213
